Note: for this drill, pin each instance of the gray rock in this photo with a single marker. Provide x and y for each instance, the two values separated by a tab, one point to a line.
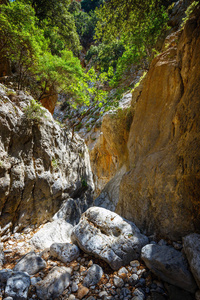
54	283
65	252
138	294
17	286
30	263
72	297
2	256
8	298
93	276
133	279
123	270
118	282
4	275
176	293
191	245
58	231
103	294
42	167
170	265
108	236
74	287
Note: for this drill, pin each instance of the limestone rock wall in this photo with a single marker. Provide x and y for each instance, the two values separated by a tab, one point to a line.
161	190
40	165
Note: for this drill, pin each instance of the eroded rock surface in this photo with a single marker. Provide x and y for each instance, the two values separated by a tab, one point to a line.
65	252
54	283
106	235
160	192
30	263
58	231
17	285
170	265
40	164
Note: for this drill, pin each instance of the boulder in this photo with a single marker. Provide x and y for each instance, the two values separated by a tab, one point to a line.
65	252
54	283
105	234
30	263
169	265
17	286
191	245
58	231
93	276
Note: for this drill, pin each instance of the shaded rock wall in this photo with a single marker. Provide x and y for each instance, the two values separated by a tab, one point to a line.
161	191
40	165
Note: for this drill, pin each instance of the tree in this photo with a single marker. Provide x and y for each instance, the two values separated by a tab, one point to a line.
58	24
21	40
136	24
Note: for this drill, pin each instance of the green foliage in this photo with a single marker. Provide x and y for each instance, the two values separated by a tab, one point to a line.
58	24
189	11
21	40
63	73
34	111
135	25
54	163
84	182
106	54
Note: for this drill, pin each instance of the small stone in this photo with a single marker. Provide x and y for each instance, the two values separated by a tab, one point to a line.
74	287
139	294
8	298
65	252
103	294
90	263
82	292
118	282
93	276
72	297
135	263
133	279
123	270
108	285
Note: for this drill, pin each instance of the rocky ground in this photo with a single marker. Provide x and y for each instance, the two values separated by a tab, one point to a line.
64	271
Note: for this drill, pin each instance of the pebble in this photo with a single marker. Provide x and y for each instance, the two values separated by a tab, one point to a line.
72	297
74	287
122	271
103	294
134	263
82	292
118	282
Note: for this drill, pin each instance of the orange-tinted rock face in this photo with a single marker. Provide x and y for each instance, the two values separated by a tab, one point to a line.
49	101
161	191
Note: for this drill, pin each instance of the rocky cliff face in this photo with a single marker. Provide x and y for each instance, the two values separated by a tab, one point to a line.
40	164
160	193
158	186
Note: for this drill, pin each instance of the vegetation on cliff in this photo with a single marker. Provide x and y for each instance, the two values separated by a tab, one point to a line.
43	40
